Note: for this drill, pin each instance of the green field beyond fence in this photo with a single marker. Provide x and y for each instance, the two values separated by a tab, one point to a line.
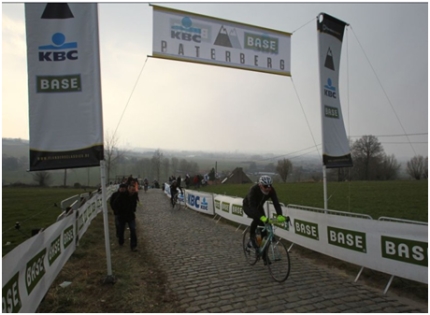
34	207
397	199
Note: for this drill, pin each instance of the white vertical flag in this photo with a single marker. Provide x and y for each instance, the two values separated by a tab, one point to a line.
64	90
336	151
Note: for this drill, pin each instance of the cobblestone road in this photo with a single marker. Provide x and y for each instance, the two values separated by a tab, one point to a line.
207	271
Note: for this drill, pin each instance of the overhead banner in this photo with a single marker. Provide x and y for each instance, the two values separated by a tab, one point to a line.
64	90
185	36
336	151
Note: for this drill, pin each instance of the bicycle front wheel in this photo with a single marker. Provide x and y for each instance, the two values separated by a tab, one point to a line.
250	252
278	261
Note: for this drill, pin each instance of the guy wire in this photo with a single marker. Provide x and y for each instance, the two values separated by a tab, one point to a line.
304	113
383	90
303	25
131	94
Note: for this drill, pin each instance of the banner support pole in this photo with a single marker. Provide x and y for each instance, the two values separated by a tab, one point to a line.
325	188
109	278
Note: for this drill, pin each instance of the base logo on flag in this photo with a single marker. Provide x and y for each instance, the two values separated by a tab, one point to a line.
65	113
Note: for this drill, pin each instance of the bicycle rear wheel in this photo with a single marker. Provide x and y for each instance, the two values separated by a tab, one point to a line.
278	261
250	252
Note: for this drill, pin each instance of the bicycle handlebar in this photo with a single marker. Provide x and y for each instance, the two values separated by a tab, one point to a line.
274	220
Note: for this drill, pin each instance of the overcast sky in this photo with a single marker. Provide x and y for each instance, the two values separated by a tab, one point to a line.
178	105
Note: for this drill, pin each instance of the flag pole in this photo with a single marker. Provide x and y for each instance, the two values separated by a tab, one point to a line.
325	188
109	278
322	129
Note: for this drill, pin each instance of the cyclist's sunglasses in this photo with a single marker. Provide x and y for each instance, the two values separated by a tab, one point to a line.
267	186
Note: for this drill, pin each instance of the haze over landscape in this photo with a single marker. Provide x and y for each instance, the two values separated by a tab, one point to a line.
153	103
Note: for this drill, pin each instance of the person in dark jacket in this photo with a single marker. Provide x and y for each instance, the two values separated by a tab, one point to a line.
254	201
126	204
187	181
122	188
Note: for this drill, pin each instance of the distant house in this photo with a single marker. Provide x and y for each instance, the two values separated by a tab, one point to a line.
237	177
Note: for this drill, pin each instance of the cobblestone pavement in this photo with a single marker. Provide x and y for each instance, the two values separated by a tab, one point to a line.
207	271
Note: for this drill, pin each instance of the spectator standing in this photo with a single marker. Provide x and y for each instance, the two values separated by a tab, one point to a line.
178	181
187	181
196	181
171	179
129	180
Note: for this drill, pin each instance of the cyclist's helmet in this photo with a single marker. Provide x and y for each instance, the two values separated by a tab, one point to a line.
265	180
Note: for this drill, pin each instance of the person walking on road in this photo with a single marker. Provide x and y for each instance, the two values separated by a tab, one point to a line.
126	204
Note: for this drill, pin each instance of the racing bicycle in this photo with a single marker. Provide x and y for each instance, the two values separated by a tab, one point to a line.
272	250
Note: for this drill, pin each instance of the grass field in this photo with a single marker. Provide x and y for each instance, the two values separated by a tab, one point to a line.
397	199
85	176
33	208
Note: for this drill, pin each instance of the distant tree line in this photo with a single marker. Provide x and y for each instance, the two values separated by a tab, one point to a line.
370	162
10	163
158	167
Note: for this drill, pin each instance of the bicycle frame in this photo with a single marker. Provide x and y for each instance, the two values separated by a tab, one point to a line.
269	228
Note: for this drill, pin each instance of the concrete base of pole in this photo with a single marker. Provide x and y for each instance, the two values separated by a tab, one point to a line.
109	280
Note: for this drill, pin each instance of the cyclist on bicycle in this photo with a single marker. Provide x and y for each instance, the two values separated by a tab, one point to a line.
173	191
145	184
254	201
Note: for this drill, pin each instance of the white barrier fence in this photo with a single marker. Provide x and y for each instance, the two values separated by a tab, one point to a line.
196	200
396	247
31	267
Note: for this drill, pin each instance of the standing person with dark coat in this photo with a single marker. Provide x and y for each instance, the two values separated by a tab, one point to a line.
187	181
126	204
122	189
